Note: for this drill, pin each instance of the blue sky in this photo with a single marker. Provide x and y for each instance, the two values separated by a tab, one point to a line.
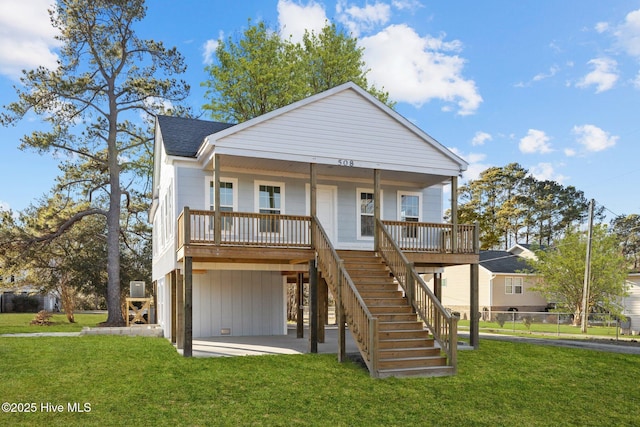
552	85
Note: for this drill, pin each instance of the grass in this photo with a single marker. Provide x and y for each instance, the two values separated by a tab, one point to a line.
143	381
19	323
518	327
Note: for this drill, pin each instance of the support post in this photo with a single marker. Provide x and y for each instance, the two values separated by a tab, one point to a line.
340	320
300	300
454	214
188	307
180	312
587	272
474	306
323	308
313	307
217	220
313	196
376	209
437	286
172	287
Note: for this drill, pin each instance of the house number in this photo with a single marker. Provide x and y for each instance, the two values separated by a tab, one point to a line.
345	162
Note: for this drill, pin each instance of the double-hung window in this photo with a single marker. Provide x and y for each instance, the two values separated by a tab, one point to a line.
270	201
409	205
365	216
513	285
228	201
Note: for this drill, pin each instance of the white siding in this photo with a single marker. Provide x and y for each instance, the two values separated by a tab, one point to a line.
342	126
246	302
632	302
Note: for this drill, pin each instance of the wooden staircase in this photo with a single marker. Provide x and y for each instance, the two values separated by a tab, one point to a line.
405	347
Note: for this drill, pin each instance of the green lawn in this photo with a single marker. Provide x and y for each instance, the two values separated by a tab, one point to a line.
18	323
143	381
518	327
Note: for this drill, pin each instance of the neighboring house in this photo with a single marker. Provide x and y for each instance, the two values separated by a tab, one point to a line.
304	193
631	303
503	284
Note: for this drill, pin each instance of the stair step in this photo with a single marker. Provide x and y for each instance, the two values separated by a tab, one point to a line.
397	317
377	302
380	293
429	371
412	362
401	326
403	343
401	353
403	333
388	309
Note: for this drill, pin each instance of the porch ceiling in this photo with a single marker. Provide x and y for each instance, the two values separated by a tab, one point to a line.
324	172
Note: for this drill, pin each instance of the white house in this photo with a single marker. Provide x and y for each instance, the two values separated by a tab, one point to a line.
240	209
631	303
504	284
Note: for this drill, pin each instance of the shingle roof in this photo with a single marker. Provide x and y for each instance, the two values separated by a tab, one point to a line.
503	262
183	137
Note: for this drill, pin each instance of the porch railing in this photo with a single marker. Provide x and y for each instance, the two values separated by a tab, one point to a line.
241	228
440	322
432	237
362	324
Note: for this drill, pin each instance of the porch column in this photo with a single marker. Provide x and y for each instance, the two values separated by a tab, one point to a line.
313	197
300	300
376	208
179	311
323	308
217	223
454	214
340	320
474	331
188	307
173	305
437	285
313	307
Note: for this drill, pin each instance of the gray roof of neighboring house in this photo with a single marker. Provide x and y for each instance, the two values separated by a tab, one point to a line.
183	137
503	262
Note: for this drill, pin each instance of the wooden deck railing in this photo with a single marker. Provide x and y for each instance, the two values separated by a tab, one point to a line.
440	322
362	324
431	237
240	228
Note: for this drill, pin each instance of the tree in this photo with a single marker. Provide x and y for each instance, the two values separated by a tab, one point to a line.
561	270
105	79
261	71
627	228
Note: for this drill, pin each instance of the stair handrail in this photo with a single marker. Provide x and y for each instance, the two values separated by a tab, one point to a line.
442	324
362	324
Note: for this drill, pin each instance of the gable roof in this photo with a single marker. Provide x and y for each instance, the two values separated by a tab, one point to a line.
183	137
503	262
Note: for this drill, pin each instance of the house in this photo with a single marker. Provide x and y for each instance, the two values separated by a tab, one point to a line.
631	303
337	192
504	284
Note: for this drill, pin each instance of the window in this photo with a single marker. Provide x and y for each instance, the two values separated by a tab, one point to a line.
366	214
513	285
227	200
270	201
409	205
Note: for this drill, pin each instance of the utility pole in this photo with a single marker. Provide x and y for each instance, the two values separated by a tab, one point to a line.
587	271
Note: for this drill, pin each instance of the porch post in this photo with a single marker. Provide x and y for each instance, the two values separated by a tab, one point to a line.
179	312
342	356
188	307
454	214
313	307
437	285
217	223
323	308
172	287
313	210
300	299
376	208
474	331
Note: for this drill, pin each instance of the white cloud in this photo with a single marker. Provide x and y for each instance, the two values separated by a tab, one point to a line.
209	49
570	152
636	81
27	38
546	172
407	4
628	34
417	69
602	27
603	76
593	138
4	206
536	141
360	19
480	138
295	18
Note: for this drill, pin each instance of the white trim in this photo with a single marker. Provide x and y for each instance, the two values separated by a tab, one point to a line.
399	202
208	202
256	194
334	190
513	286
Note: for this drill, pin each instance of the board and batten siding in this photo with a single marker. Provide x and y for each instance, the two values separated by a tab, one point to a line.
342	126
244	302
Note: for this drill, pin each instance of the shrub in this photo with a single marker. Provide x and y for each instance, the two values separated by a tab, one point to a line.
501	318
43	318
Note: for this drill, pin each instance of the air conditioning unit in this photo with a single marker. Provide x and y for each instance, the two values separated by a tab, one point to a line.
136	289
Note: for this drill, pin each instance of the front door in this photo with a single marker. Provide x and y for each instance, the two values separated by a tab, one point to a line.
326	210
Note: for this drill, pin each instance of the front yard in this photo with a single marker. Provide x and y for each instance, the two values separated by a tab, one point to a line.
119	380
